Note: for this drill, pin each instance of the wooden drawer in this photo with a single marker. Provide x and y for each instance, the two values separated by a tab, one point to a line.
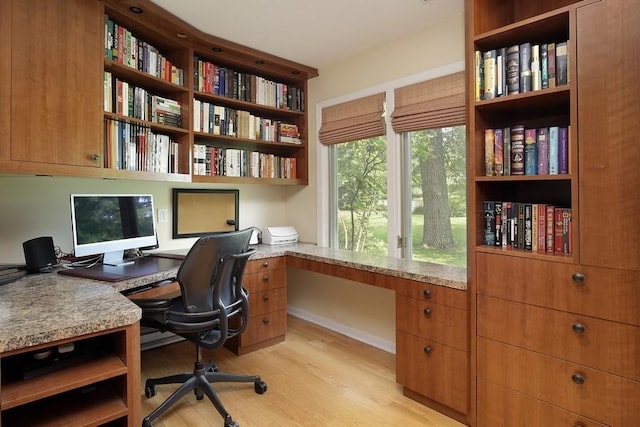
264	327
446	325
267	301
604	293
427	292
602	344
263	264
606	398
265	280
439	373
501	407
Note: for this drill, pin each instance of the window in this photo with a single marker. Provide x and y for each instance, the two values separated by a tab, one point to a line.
401	192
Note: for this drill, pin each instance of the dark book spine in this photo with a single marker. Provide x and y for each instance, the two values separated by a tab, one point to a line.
562	77
544	65
520	226
506	137
517	150
563	150
489	223
525	67
530	152
499	224
528	226
551	64
510	225
513	69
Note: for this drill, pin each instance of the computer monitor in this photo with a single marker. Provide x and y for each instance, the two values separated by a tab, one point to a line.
110	224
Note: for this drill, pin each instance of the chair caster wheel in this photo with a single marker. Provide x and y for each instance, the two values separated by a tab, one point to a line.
260	387
150	391
228	422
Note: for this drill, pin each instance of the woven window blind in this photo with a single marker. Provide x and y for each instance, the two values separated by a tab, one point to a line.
439	102
353	120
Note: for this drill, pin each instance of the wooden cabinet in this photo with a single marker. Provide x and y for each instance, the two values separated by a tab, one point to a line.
555	336
54	85
431	346
57	83
266	281
103	388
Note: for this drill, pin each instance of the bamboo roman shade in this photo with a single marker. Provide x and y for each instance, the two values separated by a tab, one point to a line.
353	120
439	102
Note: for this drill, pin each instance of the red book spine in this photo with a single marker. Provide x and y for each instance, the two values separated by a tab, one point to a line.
558	231
550	229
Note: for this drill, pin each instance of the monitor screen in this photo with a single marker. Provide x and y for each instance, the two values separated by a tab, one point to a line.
110	224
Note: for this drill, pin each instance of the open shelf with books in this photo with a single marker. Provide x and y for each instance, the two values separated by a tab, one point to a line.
546	233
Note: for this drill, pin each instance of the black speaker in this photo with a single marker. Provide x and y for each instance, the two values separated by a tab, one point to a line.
39	254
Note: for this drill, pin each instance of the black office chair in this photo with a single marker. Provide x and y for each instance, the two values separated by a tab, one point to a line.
213	306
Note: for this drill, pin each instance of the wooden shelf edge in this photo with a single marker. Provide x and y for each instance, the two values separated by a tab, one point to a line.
568	258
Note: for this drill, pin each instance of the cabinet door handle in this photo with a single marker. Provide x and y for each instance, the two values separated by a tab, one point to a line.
265	278
427	312
426	293
577	378
428	349
578	328
265	320
578	277
265	297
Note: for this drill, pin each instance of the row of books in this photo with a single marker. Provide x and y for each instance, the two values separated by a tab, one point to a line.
520	68
218	161
532	227
123	98
123	47
517	150
137	148
223	81
219	120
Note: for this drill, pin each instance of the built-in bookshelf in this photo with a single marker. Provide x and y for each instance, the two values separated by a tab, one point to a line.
551	273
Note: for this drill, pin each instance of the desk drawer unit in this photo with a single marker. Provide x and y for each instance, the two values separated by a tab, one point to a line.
266	281
432	345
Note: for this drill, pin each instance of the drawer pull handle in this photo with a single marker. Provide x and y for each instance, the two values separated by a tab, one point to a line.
428	349
427	312
577	378
578	328
95	157
427	293
265	264
265	297
578	277
265	320
265	278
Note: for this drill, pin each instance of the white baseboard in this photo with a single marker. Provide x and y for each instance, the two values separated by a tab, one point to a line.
356	334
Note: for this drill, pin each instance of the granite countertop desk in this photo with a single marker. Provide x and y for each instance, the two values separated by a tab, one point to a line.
45	308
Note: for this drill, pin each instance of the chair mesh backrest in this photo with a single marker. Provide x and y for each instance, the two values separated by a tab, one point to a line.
202	270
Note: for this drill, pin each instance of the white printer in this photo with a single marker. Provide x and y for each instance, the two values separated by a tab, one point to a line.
279	235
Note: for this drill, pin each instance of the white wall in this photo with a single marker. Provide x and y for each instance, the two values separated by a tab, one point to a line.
354	309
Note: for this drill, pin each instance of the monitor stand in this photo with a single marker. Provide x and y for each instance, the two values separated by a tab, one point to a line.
115	258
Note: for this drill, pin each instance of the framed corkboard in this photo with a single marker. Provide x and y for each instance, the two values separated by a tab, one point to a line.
200	212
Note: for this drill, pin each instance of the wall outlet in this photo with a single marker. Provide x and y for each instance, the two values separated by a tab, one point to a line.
163	215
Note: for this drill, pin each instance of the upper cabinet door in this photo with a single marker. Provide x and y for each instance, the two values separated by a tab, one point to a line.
609	127
56	82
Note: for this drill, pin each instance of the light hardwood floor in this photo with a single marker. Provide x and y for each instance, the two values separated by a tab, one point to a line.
315	378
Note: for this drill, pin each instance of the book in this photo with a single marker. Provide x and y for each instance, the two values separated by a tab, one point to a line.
490	223
551	64
479	73
536	74
501	72
525	67
520	226
499	225
506	138
553	150
513	69
544	67
558	229
563	150
510	214
542	135
561	64
530	152
489	141
498	153
550	231
517	150
534	227
528	226
566	231
490	74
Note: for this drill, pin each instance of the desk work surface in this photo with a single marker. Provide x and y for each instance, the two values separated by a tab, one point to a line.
49	307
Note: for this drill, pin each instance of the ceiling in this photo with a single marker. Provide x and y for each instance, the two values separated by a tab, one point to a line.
312	33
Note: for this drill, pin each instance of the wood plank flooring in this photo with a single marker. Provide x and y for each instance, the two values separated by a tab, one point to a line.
315	378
